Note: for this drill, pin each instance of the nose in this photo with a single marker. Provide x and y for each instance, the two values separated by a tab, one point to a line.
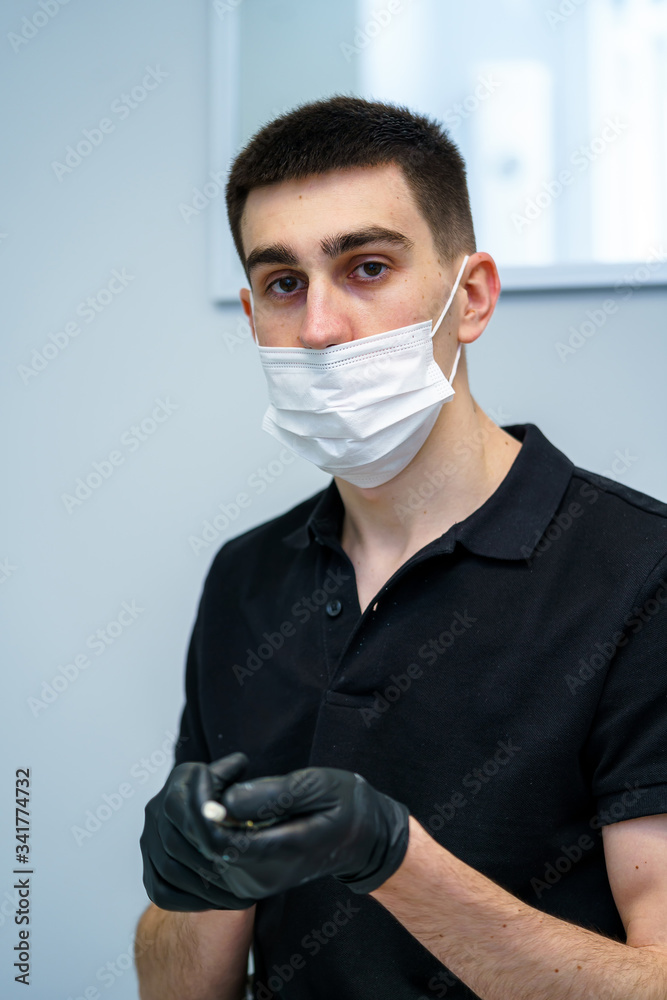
325	321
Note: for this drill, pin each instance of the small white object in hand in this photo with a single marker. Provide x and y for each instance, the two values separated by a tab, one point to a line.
214	811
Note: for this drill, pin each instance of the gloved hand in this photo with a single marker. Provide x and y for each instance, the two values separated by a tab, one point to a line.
177	842
329	822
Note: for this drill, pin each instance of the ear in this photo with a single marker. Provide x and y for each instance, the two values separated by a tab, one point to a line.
244	296
482	287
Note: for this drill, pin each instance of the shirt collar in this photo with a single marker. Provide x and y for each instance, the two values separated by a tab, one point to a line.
508	524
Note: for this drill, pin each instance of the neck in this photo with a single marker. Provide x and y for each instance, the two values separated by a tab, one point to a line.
462	462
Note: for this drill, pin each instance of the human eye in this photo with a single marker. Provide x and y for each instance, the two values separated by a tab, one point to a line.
371	270
284	287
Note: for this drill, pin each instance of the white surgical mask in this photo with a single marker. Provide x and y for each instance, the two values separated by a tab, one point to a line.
359	410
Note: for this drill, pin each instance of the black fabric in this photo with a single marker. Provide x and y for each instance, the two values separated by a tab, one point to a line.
508	684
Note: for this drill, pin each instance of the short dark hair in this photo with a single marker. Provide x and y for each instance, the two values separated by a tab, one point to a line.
340	132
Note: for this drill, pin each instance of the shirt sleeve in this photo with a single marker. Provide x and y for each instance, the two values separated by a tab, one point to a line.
627	745
191	744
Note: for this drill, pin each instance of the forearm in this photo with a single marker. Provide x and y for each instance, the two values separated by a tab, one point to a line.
193	956
499	946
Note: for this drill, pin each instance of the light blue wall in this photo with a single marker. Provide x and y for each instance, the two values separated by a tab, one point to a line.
130	541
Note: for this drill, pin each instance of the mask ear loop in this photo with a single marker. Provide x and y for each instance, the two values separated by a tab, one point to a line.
451	295
252	313
444	311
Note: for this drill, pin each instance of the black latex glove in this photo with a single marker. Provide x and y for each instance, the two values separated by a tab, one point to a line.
329	822
177	842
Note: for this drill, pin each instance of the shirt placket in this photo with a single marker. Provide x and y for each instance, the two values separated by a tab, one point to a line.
342	616
340	610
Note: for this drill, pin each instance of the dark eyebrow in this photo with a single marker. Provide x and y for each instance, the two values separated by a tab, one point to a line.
275	253
341	243
332	246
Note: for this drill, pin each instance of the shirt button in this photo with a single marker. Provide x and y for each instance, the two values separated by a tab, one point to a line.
334	608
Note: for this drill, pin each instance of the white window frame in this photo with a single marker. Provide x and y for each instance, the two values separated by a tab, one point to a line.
226	275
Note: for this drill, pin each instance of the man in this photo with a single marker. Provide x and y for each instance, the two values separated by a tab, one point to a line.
435	692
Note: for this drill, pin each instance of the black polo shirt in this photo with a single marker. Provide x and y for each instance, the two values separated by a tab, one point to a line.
508	684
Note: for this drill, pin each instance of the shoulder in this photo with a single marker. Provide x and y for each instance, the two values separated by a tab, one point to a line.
620	526
628	506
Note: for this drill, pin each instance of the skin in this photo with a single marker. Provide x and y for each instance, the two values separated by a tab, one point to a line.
318	300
